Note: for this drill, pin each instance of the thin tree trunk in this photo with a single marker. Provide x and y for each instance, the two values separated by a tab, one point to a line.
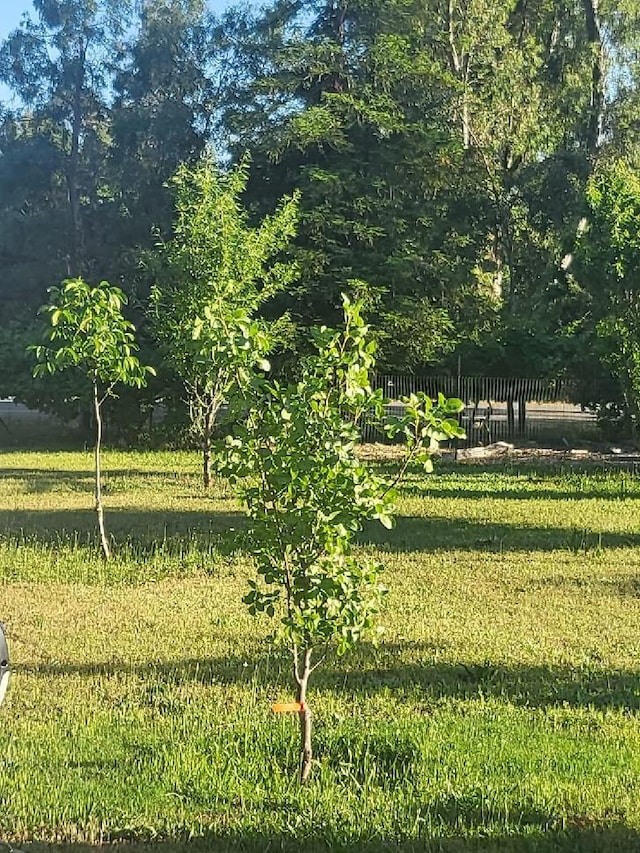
207	437
99	511
598	74
206	461
73	171
460	66
306	752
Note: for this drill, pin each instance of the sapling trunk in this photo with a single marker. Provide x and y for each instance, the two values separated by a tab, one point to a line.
206	460
302	680
208	429
98	485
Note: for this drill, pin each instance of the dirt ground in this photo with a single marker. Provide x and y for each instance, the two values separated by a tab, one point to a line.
501	453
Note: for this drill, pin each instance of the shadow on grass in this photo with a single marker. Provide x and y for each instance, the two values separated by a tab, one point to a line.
616	839
26	438
623	587
603	492
528	686
473	484
139	531
142	530
573	480
405	669
41	481
439	533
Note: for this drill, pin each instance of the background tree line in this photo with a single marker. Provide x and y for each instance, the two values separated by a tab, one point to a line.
468	165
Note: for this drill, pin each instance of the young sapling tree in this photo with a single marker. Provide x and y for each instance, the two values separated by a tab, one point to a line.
88	332
215	274
308	493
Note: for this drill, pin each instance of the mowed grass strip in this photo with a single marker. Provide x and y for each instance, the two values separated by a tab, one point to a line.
500	711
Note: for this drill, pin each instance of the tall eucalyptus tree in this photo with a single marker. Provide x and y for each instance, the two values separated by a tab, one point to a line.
59	63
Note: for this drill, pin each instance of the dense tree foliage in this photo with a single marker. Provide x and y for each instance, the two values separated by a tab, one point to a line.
606	268
442	150
213	276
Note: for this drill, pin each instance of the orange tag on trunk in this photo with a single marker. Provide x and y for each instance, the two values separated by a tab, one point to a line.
284	707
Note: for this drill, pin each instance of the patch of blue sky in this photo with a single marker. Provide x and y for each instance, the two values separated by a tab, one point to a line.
12	12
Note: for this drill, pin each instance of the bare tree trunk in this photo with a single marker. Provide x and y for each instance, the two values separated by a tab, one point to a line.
98	486
306	752
206	459
73	170
459	61
598	75
207	439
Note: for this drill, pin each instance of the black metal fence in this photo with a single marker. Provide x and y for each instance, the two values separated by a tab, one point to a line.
498	408
473	389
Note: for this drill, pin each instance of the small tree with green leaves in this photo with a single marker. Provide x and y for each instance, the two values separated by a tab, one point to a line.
607	264
308	493
87	332
217	271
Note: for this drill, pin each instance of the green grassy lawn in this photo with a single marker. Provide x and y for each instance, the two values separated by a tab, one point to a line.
500	712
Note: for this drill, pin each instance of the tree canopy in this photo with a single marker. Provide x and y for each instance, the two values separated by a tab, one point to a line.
442	150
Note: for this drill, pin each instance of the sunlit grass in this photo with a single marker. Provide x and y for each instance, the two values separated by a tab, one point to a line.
500	712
